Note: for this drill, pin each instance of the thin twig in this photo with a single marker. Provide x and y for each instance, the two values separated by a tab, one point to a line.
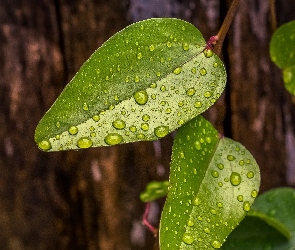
225	25
273	16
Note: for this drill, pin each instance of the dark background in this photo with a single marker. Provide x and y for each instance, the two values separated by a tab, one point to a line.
89	199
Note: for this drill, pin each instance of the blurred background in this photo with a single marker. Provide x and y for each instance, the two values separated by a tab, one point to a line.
88	199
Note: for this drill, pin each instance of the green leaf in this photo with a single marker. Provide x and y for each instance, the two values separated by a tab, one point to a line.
141	84
154	190
282	45
282	53
270	223
213	182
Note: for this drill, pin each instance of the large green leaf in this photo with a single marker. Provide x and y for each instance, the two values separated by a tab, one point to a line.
282	53
270	223
213	182
144	82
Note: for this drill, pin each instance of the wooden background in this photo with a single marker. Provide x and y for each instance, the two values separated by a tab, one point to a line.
89	199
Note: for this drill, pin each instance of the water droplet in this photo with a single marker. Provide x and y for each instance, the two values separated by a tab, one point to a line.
57	137
85	106
220	184
182	154
180	104
141	97
188	239
195	171
183	28
250	174
215	65
216	244
241	162
246	206
145	117
208	53
203	71
231	157
240	198
235	178
180	122
168	110
190	223
44	145
191	91
185	46
169	44
198	104
111	107
163	88
93	134
214	174
145	126
84	142
133	129
136	79
161	131
198	145
254	193
73	130
213	211
57	124
153	85
119	124
113	139
220	166
208	139
219	204
140	136
197	201
152	47
139	55
207	230
153	96
207	94
177	71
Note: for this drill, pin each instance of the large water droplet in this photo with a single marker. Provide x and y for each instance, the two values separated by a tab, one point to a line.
197	201
246	206
207	94
73	130
198	145
161	131
220	166
84	142
44	145
235	178
208	53
190	223
133	129
191	91
141	97
203	71
240	198
145	117
188	239
250	174
198	104
254	193
113	139
185	46
96	118
145	126
119	124
214	174
231	157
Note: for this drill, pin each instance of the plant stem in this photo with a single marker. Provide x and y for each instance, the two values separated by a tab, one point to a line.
225	26
273	16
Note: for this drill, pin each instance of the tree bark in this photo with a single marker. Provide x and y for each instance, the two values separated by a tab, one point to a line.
89	199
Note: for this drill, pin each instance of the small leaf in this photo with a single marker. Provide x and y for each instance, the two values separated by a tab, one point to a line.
270	224
141	84
154	190
282	52
213	183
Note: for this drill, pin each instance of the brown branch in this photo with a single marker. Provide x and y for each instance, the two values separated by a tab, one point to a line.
225	26
273	16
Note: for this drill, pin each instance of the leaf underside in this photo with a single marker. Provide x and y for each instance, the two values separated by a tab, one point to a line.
141	84
213	183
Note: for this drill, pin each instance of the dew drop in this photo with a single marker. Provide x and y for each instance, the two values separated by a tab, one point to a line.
73	130
85	106
188	239
139	55
161	131
220	184
136	79
132	128
197	201
182	154
213	211
153	85
185	46
198	145
190	223
198	104
207	230
203	71
231	157
119	124
208	53
163	88
145	126
57	124
194	70
141	97
177	71
216	244
145	117
254	193
169	44
235	178
44	145
84	142
215	65
191	91
240	198
180	122
208	139
241	162
246	206
168	110
250	174
214	174
207	94
113	139
140	136
220	166
152	47
57	137
219	204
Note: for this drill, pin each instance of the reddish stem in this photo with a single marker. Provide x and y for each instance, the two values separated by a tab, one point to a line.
145	221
